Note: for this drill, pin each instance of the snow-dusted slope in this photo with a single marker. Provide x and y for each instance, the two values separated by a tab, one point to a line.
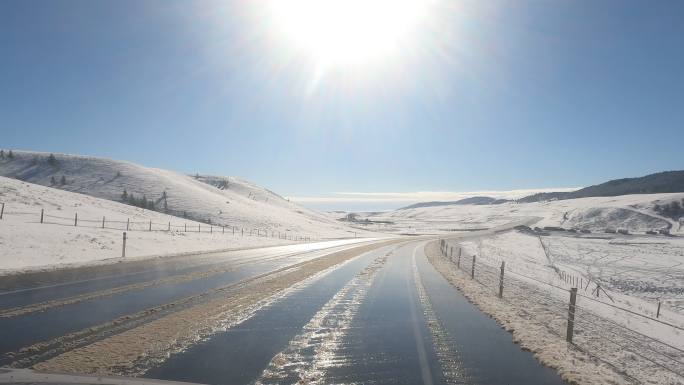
209	199
631	212
26	243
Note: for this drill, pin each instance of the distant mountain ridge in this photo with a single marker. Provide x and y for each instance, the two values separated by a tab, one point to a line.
477	200
662	182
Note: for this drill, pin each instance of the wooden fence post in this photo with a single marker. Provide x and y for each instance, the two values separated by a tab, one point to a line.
128	221
501	279
103	221
123	249
169	228
76	219
150	225
472	272
41	215
2	210
658	312
458	264
571	315
211	229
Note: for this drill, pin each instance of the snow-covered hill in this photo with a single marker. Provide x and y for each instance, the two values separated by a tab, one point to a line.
208	199
635	213
28	244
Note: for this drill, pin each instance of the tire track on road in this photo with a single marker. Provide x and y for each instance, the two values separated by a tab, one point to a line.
444	346
310	353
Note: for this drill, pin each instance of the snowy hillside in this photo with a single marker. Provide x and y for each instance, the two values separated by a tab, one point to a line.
26	243
635	213
208	199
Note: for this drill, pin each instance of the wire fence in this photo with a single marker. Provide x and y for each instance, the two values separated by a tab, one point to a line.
573	316
146	224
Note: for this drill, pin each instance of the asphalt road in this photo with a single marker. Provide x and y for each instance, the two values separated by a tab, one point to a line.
338	312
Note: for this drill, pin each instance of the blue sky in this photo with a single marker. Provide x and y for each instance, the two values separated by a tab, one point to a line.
484	95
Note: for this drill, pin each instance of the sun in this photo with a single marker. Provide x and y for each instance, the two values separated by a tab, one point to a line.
346	32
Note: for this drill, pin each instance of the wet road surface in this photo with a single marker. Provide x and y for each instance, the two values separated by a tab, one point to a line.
383	316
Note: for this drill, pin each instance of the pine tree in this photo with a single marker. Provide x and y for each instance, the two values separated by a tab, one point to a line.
52	161
10	155
124	196
166	206
2	154
53	181
143	202
62	181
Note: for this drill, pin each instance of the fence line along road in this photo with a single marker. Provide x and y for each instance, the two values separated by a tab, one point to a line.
146	224
637	355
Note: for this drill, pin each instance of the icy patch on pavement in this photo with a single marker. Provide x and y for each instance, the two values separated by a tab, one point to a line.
312	352
444	346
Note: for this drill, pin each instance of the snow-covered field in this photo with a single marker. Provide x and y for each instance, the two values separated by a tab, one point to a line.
632	271
25	243
620	329
208	199
630	212
637	270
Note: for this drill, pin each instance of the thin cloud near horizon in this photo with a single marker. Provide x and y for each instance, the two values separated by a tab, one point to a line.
422	196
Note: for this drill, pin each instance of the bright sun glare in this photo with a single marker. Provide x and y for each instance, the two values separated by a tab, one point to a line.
346	32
